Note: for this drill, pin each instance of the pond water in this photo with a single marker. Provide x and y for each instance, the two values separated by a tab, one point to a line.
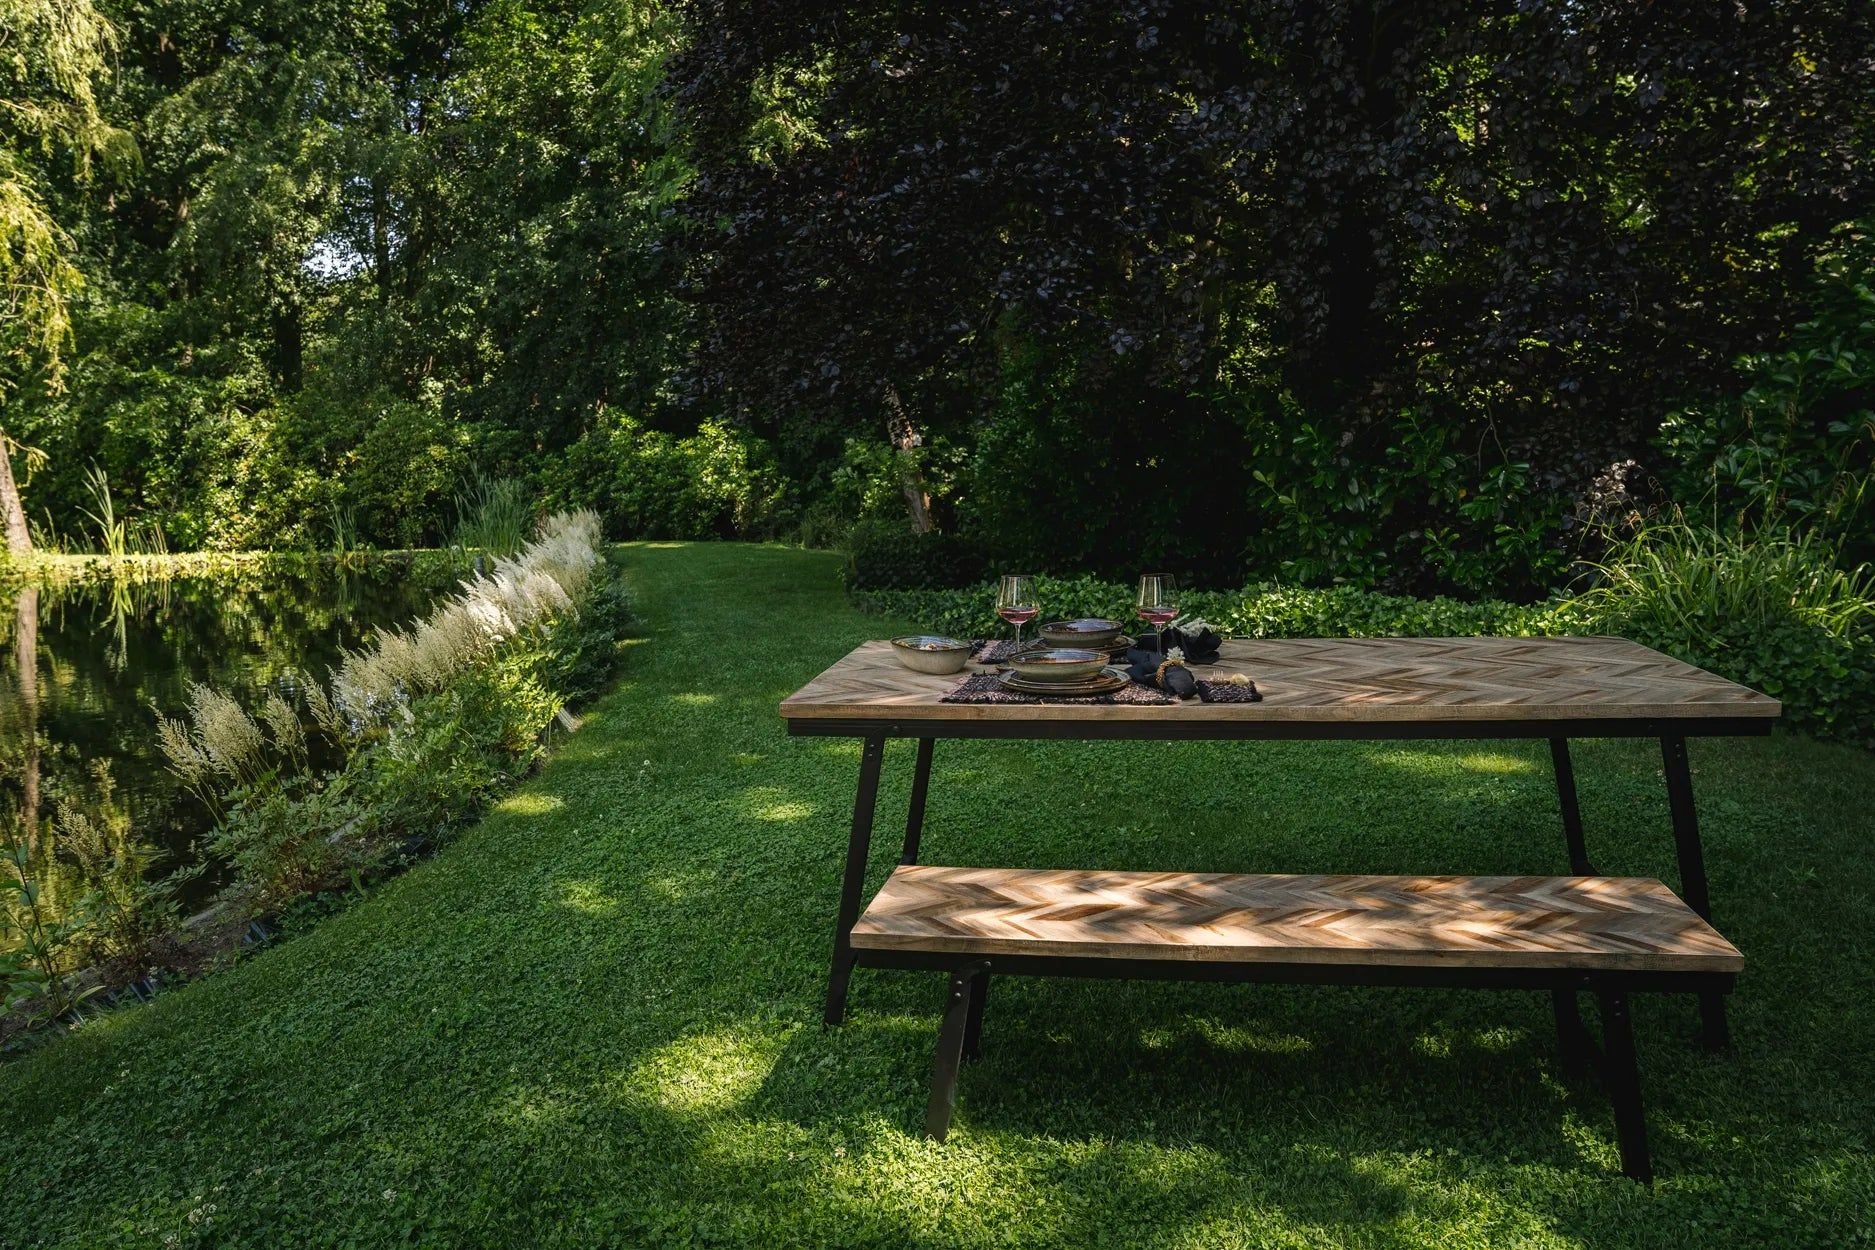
85	670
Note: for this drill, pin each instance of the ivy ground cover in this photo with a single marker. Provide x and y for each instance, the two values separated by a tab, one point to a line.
594	1019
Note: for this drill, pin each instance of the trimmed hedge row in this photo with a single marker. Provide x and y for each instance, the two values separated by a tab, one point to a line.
1825	680
884	555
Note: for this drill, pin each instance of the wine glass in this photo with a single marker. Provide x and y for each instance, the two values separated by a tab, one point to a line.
1158	600
1016	603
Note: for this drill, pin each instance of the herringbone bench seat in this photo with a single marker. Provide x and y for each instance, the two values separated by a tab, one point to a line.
1608	935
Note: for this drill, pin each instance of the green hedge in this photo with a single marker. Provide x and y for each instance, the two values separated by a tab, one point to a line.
1264	611
1826	680
886	555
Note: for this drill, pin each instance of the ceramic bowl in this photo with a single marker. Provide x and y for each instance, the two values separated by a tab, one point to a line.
1092	632
931	653
1058	663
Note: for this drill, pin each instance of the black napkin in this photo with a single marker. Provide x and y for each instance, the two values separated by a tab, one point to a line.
1144	668
1199	647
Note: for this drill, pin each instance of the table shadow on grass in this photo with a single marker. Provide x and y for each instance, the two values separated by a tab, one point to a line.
1202	1064
790	1149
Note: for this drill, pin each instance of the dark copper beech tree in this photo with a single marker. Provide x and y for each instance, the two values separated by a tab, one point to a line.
1542	220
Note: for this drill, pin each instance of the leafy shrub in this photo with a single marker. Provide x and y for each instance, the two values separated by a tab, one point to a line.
866	483
1797	447
405	469
286	838
1771	609
717	483
586	648
1095	466
887	555
1414	504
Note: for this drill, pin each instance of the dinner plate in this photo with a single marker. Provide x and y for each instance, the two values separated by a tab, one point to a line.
1106	682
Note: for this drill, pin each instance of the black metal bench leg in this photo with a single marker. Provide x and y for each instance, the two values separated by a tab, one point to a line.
973	1025
1571	810
1571	1037
858	846
950	1047
1622	1075
914	815
1714	1032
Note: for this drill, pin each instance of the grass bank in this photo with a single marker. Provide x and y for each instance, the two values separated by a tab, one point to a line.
593	1020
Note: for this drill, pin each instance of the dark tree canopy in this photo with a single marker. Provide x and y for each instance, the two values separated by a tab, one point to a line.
1551	218
1398	292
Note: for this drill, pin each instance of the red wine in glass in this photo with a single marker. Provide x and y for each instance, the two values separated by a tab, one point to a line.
1016	602
1158	599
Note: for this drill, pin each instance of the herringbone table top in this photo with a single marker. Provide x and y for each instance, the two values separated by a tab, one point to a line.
1589	923
1344	679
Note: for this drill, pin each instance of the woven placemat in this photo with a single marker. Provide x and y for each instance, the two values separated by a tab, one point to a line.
989	688
1224	692
993	650
996	650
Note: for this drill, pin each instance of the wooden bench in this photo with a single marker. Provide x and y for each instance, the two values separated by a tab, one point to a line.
1611	936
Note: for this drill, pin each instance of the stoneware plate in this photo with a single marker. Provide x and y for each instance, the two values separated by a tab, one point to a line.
1057	664
1089	631
1106	681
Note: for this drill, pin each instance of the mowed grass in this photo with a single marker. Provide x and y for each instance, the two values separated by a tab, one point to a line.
594	1019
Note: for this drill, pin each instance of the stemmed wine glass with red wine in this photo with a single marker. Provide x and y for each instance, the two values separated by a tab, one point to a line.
1016	602
1158	599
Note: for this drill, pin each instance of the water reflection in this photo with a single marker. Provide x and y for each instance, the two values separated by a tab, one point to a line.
90	667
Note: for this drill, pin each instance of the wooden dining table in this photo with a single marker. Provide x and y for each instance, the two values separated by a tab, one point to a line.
1313	688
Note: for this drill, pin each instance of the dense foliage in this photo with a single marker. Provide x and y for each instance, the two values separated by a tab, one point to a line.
1407	295
1361	288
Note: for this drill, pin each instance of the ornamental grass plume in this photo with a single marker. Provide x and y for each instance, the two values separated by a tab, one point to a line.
225	733
325	713
187	760
283	725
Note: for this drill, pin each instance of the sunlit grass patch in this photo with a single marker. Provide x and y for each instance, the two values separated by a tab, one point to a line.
530	803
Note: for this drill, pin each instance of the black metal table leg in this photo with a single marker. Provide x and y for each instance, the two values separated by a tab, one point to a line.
1621	1072
858	845
914	814
1571	1036
950	1050
1571	810
973	1026
1692	855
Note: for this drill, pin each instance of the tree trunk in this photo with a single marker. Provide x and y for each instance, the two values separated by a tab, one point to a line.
905	440
12	511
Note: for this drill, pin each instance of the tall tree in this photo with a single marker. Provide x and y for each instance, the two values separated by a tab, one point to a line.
53	52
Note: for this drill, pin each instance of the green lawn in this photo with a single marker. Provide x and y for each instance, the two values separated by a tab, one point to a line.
595	1018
